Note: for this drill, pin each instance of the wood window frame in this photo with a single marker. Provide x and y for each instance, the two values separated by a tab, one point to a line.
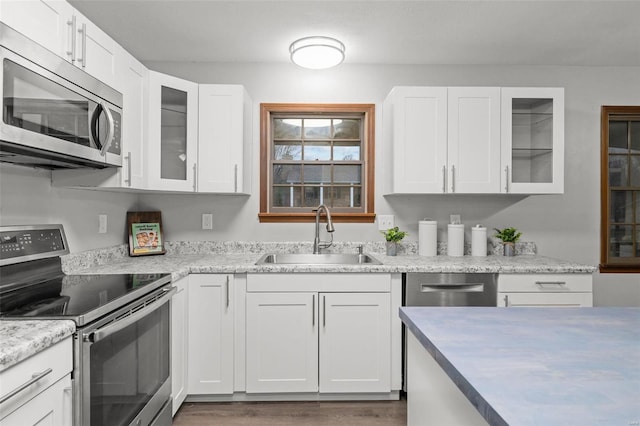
368	110
622	265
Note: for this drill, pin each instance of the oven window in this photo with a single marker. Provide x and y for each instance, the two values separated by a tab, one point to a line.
128	367
35	103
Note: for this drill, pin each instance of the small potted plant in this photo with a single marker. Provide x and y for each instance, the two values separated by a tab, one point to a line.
393	237
509	237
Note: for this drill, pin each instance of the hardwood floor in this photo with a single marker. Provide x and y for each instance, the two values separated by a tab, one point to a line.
325	413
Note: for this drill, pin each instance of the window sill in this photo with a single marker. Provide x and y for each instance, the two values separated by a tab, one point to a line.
311	217
617	269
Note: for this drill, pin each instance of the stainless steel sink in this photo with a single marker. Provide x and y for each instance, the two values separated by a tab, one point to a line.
317	259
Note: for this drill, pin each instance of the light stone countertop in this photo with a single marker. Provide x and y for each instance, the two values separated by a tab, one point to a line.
19	339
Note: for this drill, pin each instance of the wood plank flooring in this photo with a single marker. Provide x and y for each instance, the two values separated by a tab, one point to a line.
325	413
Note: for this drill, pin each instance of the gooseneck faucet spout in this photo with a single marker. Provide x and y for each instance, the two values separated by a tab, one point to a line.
317	244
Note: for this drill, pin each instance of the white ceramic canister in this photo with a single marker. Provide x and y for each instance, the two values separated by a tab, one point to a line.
455	240
427	237
479	241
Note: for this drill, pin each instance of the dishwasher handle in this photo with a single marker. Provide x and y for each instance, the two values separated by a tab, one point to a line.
455	288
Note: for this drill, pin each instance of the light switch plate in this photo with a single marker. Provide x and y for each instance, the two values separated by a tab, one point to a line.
207	220
385	221
102	224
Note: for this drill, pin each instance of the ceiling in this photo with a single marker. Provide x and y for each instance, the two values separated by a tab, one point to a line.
509	32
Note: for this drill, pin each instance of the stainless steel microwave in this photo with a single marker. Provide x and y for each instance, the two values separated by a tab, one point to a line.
54	115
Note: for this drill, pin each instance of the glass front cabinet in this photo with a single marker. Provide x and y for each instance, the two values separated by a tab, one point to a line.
532	139
173	133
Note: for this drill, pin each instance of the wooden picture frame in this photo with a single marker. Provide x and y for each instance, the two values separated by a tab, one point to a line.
145	233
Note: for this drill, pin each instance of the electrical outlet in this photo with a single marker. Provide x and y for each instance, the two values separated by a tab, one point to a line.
385	221
207	221
102	224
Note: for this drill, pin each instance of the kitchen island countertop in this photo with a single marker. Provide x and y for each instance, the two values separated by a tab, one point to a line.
538	366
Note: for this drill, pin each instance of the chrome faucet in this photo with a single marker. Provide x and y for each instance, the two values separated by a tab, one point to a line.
317	244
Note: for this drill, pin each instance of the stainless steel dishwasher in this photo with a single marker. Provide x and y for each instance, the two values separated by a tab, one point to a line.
446	289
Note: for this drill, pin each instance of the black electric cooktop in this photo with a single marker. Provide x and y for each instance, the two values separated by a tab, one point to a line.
81	298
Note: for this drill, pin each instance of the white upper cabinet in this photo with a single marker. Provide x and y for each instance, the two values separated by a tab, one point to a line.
474	140
224	139
532	140
415	128
60	28
172	147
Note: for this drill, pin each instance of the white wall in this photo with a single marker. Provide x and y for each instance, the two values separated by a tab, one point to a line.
564	226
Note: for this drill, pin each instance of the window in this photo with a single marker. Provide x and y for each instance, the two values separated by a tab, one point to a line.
620	189
312	154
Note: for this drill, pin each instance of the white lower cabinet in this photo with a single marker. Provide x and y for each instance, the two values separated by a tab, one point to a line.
48	400
179	342
211	334
327	333
545	290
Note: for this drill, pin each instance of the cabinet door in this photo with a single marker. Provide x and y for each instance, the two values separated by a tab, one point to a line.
47	22
566	300
136	77
417	117
96	52
355	342
223	135
282	342
532	140
210	334
173	133
179	342
474	140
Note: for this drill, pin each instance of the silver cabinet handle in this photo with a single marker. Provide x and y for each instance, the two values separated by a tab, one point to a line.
559	283
195	177
324	311
506	300
227	288
235	178
128	179
453	178
118	325
83	59
313	311
34	378
506	179
72	51
444	179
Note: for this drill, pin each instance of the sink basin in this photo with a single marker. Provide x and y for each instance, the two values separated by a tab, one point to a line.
317	259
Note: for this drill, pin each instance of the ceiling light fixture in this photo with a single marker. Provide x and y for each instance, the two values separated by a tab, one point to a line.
317	52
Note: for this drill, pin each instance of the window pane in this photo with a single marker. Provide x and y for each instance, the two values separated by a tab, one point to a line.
318	151
287	196
346	129
287	151
286	173
347	196
635	170
346	174
635	137
315	195
317	174
621	207
317	128
637	193
618	170
346	152
637	241
621	241
287	128
618	136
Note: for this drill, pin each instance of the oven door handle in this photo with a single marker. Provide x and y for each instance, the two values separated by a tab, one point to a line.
107	331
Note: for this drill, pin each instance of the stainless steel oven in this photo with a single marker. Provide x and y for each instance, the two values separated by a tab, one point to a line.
54	114
121	367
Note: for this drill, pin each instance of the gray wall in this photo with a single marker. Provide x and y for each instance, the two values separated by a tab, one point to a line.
564	226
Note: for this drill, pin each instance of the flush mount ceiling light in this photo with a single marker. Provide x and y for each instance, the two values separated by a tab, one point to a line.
317	52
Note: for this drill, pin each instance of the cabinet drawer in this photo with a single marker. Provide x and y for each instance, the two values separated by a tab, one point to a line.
313	282
545	283
58	358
